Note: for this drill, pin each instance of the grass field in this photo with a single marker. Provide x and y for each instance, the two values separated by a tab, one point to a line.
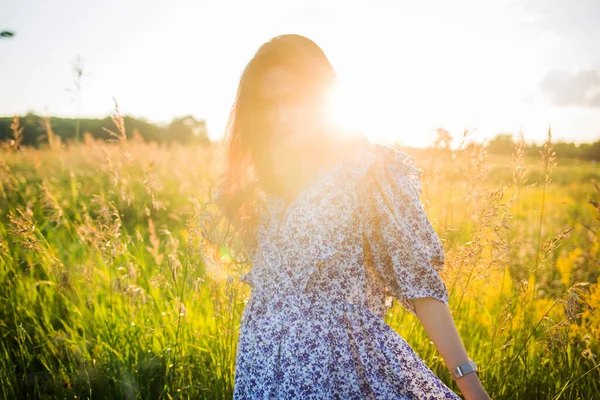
108	290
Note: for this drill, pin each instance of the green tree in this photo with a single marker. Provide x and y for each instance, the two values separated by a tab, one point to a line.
501	144
187	129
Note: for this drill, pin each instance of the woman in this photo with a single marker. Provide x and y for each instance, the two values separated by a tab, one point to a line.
334	228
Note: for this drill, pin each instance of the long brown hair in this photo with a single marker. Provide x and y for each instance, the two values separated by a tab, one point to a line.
249	173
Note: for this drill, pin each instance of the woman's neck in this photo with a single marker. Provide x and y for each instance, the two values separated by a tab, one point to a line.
313	164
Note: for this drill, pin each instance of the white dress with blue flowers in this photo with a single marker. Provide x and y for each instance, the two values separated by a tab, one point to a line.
324	271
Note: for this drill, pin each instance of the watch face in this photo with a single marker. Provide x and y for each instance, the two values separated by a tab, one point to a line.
473	366
463	369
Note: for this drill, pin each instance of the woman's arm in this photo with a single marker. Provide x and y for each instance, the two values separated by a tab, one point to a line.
439	325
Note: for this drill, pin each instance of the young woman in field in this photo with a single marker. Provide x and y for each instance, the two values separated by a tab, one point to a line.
334	228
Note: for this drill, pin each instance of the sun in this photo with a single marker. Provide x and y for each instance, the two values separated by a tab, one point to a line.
358	110
344	110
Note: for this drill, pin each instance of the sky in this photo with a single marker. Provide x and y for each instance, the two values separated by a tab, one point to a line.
405	67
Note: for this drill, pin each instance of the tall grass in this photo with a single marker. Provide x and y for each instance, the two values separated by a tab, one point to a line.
119	279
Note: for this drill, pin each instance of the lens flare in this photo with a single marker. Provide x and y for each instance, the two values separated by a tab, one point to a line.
344	111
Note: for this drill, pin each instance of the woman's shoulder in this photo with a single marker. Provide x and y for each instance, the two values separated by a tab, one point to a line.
376	155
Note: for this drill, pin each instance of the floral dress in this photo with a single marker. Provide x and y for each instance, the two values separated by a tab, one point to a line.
323	274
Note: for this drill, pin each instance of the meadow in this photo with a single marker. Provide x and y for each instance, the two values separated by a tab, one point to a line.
114	284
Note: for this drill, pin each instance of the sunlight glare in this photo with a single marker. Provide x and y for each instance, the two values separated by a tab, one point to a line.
345	112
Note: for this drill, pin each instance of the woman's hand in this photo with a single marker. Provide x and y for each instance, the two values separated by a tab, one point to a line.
437	321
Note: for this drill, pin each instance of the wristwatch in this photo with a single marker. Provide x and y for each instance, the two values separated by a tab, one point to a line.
463	369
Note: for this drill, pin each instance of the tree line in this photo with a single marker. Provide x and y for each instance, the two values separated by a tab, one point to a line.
186	129
504	144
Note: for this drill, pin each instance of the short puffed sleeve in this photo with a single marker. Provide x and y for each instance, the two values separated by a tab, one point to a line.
406	251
